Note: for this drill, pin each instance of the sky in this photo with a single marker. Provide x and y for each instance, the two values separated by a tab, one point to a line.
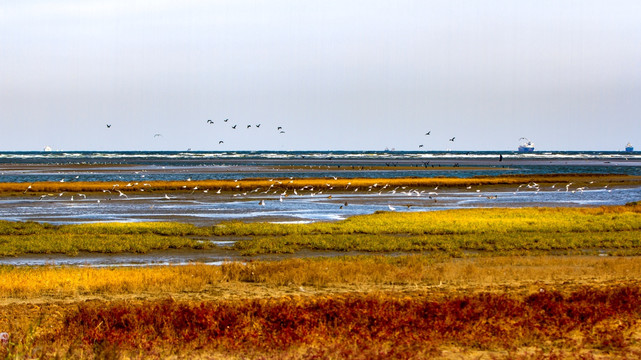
334	74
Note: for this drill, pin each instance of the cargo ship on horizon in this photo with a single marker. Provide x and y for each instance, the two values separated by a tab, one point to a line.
526	146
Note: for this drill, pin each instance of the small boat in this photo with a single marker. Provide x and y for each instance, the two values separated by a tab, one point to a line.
47	148
526	146
629	148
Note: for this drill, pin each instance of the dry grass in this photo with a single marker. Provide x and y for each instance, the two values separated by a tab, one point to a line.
587	321
74	312
317	275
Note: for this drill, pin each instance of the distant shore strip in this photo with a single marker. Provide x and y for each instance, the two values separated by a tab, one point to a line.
327	184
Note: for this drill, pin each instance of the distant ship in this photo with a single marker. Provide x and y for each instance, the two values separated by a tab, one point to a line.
527	146
629	148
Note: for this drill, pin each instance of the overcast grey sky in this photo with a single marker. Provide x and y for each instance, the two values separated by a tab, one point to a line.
336	75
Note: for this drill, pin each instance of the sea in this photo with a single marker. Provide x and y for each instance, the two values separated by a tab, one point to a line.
200	165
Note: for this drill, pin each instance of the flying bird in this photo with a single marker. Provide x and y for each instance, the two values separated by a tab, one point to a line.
248	126
282	132
233	127
108	126
258	125
429	132
226	120
452	139
220	142
157	135
280	128
210	122
420	146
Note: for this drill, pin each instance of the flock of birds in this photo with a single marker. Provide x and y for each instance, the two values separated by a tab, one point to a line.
211	122
278	128
275	192
430	133
233	127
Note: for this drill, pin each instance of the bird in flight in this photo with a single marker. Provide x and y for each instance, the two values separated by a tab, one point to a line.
233	127
452	139
226	120
108	126
280	128
248	126
210	122
282	132
429	132
157	135
258	125
420	146
220	142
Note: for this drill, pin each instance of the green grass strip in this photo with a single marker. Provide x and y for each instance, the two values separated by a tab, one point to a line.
452	232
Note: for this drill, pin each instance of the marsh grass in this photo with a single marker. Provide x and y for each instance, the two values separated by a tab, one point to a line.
367	272
325	184
18	238
616	229
587	320
454	232
343	307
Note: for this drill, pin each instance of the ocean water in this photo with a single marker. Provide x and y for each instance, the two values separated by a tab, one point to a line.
133	166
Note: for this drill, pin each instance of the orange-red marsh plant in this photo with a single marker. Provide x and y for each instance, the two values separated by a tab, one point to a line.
382	324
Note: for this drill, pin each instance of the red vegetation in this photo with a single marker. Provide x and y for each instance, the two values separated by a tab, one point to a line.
380	325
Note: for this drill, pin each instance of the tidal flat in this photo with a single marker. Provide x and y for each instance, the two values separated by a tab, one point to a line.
512	281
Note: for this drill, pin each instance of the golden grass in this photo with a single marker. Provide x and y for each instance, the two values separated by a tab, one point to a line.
453	232
315	275
325	184
462	232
